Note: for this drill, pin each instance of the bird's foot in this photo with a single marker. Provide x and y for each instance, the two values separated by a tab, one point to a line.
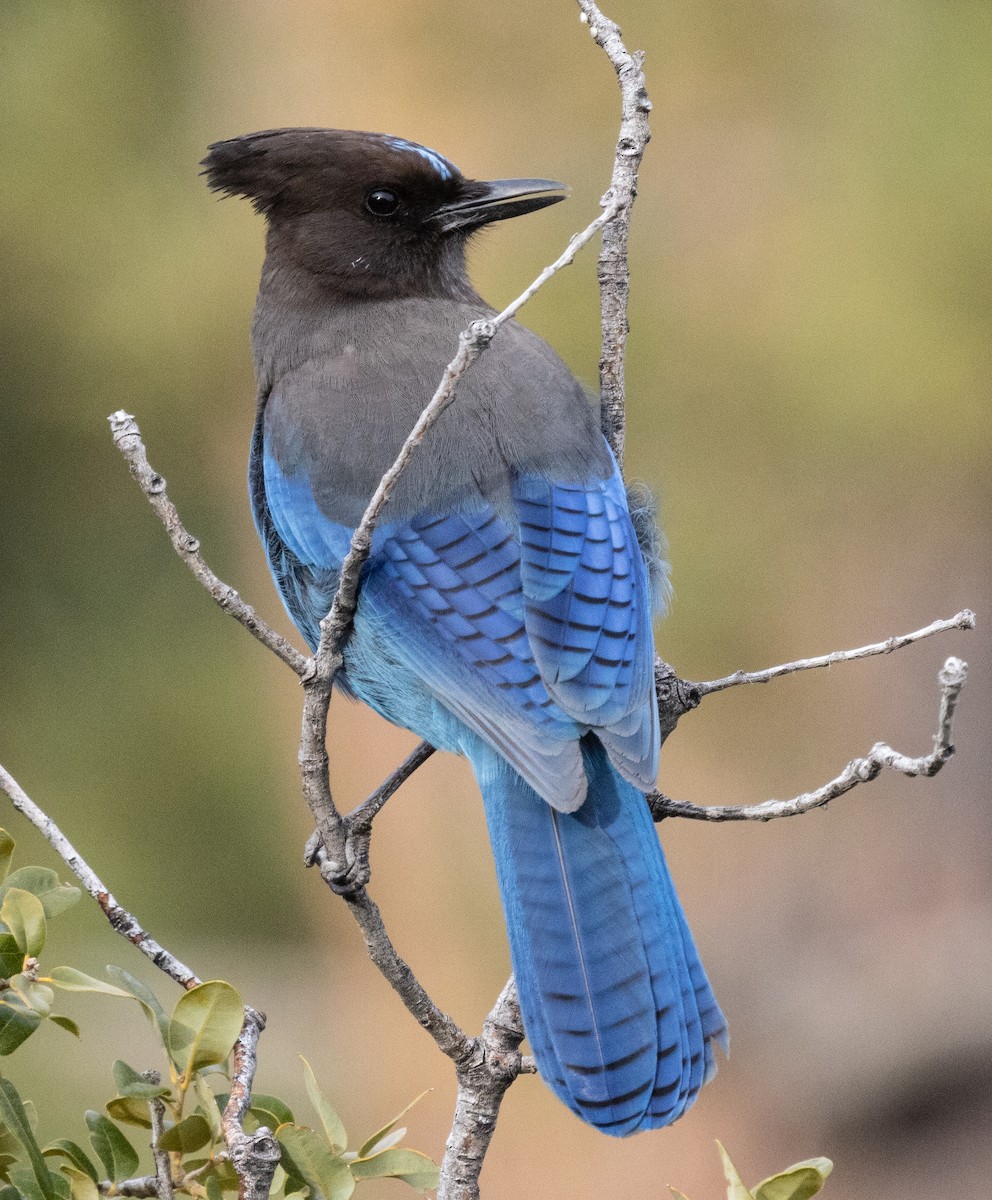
343	878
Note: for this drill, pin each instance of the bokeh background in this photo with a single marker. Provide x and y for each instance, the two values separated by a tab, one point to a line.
809	374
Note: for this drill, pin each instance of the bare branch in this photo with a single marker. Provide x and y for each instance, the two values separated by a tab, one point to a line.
962	620
614	272
163	1165
143	1185
121	920
483	1078
450	1039
861	770
127	437
362	817
254	1156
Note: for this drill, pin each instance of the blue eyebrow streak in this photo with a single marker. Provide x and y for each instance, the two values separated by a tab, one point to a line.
437	161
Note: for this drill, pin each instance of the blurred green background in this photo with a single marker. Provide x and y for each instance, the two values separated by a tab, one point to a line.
809	379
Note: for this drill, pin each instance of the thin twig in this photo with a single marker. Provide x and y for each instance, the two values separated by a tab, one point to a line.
614	271
962	620
163	1164
121	920
361	818
127	437
141	1186
450	1039
254	1156
861	770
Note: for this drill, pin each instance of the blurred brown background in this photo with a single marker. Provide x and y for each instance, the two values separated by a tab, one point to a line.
809	391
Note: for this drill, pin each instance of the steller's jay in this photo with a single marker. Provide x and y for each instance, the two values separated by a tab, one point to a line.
505	608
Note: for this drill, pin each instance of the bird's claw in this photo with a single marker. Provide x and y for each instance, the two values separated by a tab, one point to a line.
348	878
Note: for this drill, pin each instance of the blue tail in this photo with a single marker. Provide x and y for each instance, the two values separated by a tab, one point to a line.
614	999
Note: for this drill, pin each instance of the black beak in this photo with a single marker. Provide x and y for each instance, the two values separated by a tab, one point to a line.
495	200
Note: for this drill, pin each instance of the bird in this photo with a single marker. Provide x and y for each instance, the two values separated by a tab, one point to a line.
505	608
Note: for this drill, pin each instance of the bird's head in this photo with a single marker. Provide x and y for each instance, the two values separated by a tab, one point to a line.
368	214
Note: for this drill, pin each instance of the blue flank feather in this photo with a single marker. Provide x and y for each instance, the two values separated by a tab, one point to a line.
520	636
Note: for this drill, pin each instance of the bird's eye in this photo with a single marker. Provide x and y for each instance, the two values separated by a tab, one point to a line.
382	202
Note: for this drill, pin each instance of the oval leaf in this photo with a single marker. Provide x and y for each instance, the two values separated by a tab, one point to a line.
81	1187
42	882
332	1123
798	1182
411	1166
129	1111
24	915
74	1153
35	995
145	997
205	1025
735	1185
310	1157
270	1111
71	980
112	1147
11	956
130	1083
17	1023
6	852
192	1133
66	1023
14	1115
207	1103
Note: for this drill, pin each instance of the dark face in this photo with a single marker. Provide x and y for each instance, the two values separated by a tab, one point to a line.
368	214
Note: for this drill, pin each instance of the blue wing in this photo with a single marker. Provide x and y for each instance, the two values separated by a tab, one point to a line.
588	614
531	626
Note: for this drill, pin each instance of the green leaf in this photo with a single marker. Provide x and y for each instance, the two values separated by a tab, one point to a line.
369	1144
735	1185
798	1182
205	1025
30	1188
66	1023
307	1154
24	915
15	1117
6	852
42	882
9	1144
337	1138
270	1111
112	1147
74	1153
411	1166
130	1083
11	955
17	1023
214	1190
145	997
677	1194
6	1162
68	979
81	1187
207	1103
130	1111
37	996
192	1133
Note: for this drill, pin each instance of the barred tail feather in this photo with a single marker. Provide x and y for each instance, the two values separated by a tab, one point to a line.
614	999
